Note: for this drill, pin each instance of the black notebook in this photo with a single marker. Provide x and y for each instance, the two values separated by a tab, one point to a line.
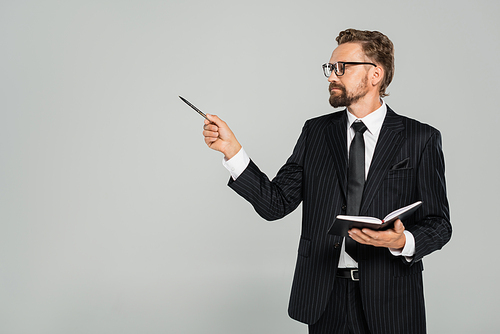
342	223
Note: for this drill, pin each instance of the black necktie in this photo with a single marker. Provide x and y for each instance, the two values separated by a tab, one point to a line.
355	180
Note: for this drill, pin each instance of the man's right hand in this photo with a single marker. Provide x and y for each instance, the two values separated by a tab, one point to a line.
219	137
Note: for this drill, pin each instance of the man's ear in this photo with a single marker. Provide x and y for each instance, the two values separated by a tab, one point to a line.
377	75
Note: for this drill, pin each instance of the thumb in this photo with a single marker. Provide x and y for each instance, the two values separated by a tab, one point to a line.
398	226
215	119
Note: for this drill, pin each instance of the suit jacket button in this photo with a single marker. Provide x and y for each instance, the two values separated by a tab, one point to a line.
344	207
337	245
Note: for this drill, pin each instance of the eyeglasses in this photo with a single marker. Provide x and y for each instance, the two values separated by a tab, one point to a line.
339	67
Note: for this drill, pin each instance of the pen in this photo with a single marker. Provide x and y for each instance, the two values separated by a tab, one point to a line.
196	109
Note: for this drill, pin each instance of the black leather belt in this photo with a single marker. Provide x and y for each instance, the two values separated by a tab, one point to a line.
350	273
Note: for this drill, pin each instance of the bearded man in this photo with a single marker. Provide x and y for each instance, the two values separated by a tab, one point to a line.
365	160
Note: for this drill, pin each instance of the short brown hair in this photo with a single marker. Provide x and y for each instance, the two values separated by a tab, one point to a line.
377	47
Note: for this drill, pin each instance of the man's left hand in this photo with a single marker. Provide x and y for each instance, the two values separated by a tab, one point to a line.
393	238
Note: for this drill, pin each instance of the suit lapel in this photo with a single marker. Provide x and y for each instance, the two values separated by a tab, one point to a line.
388	145
336	138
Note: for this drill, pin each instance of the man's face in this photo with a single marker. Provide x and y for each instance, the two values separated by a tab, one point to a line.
353	85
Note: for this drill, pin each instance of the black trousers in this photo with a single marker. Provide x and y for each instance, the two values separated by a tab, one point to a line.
344	313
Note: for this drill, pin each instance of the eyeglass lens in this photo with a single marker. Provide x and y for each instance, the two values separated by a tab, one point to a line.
338	68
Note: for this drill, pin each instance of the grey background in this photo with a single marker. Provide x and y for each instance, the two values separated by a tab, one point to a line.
115	217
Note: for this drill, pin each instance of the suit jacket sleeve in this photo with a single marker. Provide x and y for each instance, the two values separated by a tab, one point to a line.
433	228
274	199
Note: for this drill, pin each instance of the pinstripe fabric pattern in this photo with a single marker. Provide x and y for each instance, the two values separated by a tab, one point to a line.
407	165
346	305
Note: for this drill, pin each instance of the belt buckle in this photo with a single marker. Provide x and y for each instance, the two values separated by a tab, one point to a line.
352	275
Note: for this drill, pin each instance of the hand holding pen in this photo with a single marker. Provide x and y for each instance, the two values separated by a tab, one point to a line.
219	137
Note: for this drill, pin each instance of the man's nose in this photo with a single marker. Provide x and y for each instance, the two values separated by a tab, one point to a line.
333	77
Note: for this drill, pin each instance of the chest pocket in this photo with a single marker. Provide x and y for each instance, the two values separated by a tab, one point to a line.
399	186
402	173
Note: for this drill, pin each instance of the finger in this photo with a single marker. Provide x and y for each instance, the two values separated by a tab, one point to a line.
371	233
216	120
358	235
211	127
210	140
211	134
354	231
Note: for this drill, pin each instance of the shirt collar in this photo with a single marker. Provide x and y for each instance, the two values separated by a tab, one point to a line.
373	120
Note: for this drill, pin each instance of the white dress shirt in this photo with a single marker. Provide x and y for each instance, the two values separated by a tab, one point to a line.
373	121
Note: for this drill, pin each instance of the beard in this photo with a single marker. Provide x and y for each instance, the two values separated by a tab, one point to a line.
345	99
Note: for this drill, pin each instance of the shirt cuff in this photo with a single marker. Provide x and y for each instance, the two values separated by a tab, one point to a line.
409	248
237	164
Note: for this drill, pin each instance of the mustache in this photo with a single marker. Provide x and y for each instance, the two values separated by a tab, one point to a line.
334	85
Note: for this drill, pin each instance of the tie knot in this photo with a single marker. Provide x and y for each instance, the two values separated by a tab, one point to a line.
359	127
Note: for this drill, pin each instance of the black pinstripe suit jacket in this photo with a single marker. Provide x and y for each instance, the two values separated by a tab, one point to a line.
407	165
